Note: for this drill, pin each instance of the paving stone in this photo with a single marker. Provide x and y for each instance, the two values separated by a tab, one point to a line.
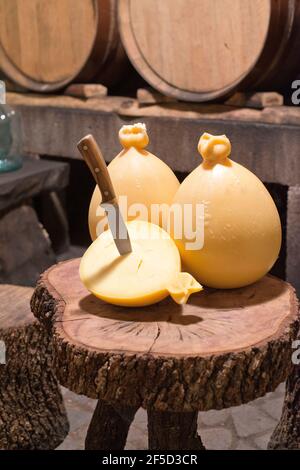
250	420
133	444
74	440
260	401
280	390
82	401
279	393
136	440
140	420
64	390
274	407
262	441
244	445
216	438
213	417
78	417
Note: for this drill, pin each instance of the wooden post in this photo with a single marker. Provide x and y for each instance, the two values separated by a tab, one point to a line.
109	426
173	431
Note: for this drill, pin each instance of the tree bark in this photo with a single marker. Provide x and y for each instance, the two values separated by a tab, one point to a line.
287	432
32	414
173	431
109	427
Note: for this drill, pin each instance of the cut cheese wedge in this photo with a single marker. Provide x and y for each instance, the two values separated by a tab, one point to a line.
143	277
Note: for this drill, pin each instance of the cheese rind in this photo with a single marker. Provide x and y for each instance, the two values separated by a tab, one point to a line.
241	225
140	178
182	286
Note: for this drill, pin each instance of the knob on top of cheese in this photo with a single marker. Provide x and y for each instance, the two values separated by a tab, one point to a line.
140	177
214	148
134	136
145	276
242	230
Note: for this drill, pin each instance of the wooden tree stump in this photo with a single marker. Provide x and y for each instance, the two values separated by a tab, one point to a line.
287	433
222	349
32	414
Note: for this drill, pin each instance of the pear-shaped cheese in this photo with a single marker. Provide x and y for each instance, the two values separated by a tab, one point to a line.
145	276
242	230
140	177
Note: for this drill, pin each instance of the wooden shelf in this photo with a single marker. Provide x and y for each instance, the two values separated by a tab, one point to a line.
267	141
34	177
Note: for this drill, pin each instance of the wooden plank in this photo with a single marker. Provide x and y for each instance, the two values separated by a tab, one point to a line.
129	107
257	100
264	141
33	178
111	103
86	90
147	96
221	112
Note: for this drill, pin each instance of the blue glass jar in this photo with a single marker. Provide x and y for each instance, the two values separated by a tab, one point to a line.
10	139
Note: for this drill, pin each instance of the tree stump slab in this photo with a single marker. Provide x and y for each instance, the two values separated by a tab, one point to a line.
222	349
32	414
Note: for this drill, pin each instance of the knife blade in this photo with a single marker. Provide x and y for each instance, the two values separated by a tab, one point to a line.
117	226
93	157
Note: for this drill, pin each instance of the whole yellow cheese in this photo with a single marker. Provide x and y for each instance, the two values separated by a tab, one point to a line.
239	220
143	181
145	276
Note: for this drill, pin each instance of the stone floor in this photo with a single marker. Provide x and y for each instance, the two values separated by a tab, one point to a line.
242	427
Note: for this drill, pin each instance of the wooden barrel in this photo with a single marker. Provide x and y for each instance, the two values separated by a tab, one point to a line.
200	50
46	44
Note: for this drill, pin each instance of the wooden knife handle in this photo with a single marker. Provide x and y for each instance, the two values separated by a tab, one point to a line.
93	157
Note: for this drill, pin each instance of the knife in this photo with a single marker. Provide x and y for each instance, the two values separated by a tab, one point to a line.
93	157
